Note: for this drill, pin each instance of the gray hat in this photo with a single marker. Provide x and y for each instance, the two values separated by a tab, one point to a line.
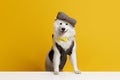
63	16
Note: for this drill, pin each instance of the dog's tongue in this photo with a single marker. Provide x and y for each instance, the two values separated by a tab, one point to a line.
62	32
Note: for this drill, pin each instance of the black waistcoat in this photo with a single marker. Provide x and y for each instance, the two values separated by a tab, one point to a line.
63	54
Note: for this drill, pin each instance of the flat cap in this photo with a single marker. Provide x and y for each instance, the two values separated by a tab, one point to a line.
63	16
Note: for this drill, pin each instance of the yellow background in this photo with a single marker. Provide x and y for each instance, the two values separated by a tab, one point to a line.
26	27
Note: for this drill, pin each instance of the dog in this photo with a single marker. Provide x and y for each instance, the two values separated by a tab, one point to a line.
63	44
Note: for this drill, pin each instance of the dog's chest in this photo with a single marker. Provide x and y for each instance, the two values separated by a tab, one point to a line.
65	45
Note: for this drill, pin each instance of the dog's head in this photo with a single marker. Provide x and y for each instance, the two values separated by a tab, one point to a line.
64	25
63	28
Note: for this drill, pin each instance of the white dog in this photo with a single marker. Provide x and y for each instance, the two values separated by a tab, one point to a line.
63	44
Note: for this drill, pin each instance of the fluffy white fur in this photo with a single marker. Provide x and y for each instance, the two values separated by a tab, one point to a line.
69	33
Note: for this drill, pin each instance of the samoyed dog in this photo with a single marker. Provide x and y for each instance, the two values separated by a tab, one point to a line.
63	44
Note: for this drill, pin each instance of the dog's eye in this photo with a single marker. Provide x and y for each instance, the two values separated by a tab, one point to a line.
60	23
66	23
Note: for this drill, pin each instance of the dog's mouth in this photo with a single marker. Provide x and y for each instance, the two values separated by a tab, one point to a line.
63	31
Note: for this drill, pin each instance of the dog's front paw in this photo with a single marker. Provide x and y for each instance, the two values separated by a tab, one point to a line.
56	72
77	72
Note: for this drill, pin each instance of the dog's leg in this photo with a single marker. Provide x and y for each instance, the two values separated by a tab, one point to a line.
73	60
56	60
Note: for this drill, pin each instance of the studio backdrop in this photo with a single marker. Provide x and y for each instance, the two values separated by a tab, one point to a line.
26	28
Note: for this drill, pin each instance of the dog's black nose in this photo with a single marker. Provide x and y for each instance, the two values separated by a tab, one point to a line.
63	29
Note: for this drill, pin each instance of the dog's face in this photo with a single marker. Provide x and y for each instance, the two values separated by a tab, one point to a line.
63	28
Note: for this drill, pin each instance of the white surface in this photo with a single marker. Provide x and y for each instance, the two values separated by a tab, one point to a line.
61	76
